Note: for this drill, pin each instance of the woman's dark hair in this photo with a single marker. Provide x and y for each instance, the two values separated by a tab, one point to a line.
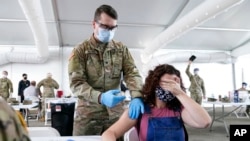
152	81
105	9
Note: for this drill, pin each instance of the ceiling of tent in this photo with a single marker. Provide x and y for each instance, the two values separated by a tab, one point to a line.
140	21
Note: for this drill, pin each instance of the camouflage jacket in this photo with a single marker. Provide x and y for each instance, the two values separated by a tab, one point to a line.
6	86
96	67
11	128
49	85
197	83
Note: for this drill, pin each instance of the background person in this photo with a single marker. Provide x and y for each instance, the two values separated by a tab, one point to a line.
23	84
6	87
244	88
95	68
197	87
31	92
49	85
167	106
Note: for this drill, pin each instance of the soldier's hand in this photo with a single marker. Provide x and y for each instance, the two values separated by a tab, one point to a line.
110	98
136	107
189	62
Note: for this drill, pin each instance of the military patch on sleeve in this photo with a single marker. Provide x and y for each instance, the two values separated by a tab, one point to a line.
71	55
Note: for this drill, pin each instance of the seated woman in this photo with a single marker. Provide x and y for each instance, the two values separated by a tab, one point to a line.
167	108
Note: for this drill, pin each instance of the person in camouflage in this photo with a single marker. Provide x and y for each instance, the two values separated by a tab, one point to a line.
197	88
49	85
11	128
95	68
6	87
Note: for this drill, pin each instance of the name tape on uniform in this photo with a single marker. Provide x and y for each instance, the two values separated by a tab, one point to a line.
239	132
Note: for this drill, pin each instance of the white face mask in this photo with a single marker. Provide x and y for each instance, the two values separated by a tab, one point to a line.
196	72
4	76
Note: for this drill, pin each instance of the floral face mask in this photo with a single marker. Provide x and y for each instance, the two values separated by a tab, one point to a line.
163	95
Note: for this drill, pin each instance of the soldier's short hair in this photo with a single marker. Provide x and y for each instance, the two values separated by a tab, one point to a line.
5	72
24	74
33	83
105	9
244	84
196	69
49	74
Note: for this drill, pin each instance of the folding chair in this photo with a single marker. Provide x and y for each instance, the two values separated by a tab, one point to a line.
43	132
131	135
32	112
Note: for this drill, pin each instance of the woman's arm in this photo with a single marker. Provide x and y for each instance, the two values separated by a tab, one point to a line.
192	113
119	128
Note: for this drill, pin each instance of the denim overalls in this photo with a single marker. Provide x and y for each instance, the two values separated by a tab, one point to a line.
165	128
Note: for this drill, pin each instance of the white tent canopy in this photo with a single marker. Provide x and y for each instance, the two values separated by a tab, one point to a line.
219	25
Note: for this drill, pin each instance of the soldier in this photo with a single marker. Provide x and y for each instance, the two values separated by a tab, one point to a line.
6	87
197	88
24	83
49	85
95	68
244	88
11	128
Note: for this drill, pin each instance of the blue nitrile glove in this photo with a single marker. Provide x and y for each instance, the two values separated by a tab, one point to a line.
110	99
136	107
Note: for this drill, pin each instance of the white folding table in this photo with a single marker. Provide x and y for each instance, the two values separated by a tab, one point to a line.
26	107
221	118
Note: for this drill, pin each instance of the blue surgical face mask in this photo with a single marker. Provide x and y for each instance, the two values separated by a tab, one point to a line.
163	95
105	35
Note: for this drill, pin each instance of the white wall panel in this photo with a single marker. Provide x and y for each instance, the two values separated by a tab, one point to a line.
218	77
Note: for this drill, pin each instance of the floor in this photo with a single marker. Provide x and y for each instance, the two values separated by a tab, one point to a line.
218	132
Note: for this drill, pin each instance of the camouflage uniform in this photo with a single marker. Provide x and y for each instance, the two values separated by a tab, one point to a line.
197	88
95	68
11	128
6	88
49	85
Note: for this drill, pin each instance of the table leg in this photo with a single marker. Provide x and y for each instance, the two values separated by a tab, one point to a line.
211	125
27	117
223	119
